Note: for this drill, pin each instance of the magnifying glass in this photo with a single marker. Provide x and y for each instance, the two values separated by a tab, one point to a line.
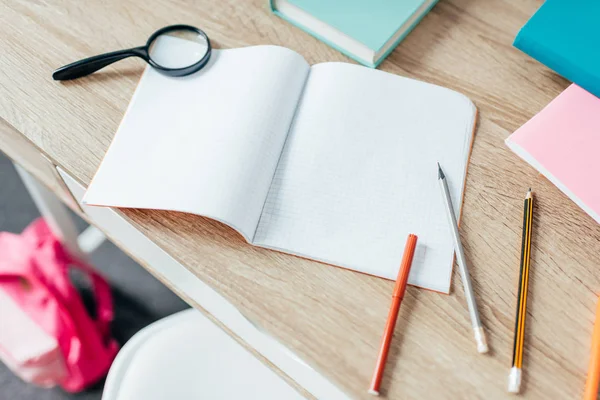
176	50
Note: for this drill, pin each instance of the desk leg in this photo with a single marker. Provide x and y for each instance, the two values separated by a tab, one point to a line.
58	218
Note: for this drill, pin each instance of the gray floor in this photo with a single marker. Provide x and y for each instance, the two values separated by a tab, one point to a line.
139	298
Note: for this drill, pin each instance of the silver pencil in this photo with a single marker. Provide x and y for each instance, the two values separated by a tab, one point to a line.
482	346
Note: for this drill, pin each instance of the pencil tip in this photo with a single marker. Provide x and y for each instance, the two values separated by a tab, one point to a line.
529	194
440	172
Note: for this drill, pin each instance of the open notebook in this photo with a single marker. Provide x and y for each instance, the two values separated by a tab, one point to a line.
335	163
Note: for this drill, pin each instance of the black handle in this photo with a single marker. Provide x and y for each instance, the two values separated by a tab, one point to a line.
89	65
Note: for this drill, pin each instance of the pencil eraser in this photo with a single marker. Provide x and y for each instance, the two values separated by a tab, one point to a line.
514	380
482	346
373	392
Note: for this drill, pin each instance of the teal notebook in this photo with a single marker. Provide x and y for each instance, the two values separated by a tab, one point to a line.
364	30
564	35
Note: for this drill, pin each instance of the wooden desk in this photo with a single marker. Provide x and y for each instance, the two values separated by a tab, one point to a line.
331	317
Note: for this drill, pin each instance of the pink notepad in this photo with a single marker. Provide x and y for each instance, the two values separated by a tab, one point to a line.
563	143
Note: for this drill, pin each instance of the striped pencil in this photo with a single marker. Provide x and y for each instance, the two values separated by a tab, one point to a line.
514	378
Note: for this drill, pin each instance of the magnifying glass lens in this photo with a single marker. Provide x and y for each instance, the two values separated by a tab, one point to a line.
179	48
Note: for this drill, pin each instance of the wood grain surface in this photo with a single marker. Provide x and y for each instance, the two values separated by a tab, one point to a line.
331	317
21	151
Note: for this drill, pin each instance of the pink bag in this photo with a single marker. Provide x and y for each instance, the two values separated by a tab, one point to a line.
46	335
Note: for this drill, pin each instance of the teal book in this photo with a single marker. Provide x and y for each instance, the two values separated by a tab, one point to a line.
564	35
364	30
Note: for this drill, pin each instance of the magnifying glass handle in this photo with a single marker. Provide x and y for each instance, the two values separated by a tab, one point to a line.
92	64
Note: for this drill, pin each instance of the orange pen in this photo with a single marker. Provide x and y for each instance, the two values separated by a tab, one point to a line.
591	385
398	294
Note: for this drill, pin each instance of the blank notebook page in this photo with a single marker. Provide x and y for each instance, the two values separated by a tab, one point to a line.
207	143
358	173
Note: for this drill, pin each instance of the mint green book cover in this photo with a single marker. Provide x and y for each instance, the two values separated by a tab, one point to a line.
370	22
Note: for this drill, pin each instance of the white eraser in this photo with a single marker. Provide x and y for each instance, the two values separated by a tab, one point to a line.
373	392
514	380
482	346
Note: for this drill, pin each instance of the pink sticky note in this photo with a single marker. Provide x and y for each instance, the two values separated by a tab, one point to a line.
563	143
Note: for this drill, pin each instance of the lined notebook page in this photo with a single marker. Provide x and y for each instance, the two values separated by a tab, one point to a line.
358	173
208	143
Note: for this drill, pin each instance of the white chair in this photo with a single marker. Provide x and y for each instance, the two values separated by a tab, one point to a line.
186	356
